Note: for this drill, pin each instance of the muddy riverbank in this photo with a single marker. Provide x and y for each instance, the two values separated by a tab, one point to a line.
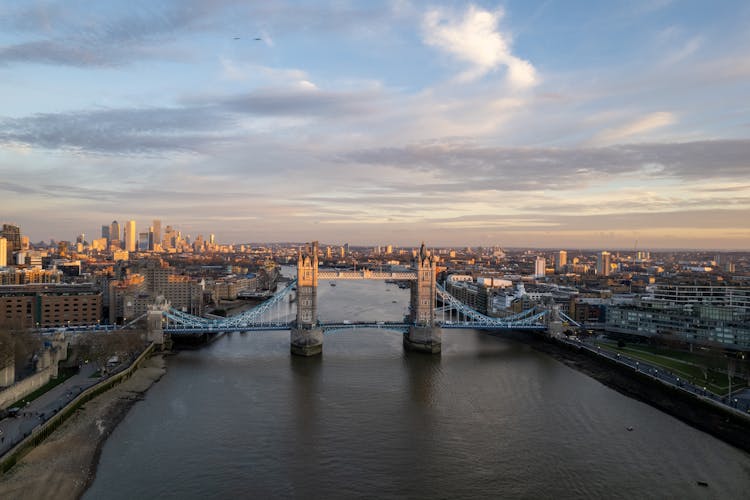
64	464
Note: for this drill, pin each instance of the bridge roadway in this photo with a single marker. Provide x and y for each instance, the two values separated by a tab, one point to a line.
366	274
339	326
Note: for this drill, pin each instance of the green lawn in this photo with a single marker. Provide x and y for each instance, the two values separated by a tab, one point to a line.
685	365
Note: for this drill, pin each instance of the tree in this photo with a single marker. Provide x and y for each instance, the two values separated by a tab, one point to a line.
100	347
25	344
730	374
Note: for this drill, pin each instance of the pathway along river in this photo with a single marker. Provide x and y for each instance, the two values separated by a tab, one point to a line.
488	418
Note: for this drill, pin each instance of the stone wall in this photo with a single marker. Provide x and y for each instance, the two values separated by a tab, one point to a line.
47	368
24	387
8	375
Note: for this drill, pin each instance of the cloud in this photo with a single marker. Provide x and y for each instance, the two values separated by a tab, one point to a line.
80	33
634	128
117	131
192	126
304	100
458	166
476	40
85	35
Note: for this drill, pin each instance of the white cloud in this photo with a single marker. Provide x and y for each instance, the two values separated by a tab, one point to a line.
634	128
238	71
686	50
475	39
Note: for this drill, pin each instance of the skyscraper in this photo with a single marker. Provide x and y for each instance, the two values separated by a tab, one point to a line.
604	264
105	232
157	231
540	267
12	234
169	240
3	252
114	233
130	236
143	241
562	260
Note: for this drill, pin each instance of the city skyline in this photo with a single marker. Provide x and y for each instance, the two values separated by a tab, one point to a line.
514	124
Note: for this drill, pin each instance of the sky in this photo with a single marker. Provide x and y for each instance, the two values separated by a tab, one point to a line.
571	124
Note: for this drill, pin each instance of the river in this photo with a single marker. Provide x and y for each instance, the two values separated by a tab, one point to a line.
488	418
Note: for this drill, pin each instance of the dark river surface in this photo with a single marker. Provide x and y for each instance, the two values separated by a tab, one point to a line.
489	418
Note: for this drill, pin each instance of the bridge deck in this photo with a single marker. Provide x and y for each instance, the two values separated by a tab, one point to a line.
366	274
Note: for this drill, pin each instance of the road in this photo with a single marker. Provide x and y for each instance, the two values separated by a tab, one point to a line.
14	429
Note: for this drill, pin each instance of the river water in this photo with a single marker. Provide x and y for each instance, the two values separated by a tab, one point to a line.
488	418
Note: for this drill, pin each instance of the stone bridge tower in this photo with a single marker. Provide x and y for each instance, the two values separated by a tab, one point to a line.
423	335
306	337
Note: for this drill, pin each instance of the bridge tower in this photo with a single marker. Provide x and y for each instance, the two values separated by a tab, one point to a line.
554	323
306	338
423	335
154	321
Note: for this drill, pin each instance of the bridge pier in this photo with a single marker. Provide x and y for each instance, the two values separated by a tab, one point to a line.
306	341
427	339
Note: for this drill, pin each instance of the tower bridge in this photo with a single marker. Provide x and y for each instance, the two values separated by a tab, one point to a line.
422	334
422	328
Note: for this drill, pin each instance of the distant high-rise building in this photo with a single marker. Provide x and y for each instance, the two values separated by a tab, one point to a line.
346	248
12	235
105	232
143	242
130	236
169	240
99	244
25	244
540	267
212	238
562	260
604	264
157	231
151	238
114	234
389	249
3	252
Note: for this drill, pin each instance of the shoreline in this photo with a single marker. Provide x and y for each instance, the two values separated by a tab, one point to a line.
64	465
724	425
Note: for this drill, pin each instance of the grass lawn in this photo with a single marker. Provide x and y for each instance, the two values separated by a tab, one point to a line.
685	365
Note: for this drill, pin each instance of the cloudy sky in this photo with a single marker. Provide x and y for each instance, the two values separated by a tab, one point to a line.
519	123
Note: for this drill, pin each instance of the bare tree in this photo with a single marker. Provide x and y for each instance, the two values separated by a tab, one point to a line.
26	344
7	348
100	347
730	374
